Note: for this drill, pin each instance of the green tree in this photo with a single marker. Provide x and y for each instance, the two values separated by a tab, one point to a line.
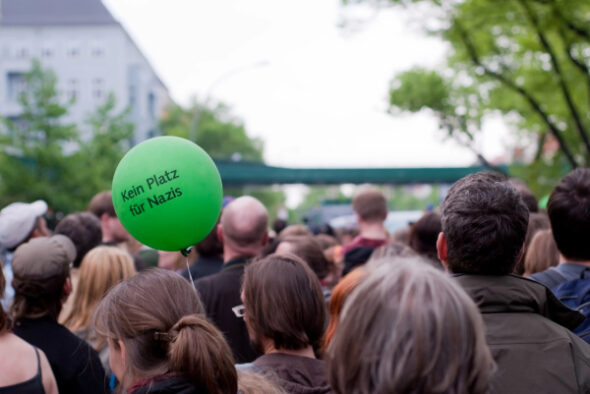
215	129
42	157
526	59
110	133
34	165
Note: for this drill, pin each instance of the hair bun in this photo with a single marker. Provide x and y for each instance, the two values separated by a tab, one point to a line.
189	321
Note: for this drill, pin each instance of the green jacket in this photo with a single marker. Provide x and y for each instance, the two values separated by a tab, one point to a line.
528	332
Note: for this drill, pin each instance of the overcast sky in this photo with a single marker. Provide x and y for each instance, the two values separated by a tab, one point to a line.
314	92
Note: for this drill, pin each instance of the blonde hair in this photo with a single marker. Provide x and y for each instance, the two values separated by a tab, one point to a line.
101	269
408	328
157	314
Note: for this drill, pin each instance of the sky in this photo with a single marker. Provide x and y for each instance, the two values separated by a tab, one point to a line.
313	91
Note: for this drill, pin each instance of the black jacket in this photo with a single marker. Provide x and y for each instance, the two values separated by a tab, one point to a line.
220	293
528	332
168	386
295	374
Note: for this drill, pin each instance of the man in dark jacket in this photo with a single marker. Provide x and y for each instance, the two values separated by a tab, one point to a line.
570	223
243	230
484	223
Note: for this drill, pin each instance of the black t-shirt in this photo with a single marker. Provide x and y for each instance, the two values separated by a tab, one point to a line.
75	364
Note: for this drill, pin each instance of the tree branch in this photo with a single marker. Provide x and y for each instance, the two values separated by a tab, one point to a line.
521	91
559	74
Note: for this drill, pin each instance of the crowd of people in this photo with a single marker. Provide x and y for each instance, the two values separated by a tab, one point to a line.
485	294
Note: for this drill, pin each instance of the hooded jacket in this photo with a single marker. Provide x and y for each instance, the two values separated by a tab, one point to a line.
528	332
295	374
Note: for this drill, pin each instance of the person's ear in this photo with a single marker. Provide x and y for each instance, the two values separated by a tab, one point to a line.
265	239
123	352
442	248
67	287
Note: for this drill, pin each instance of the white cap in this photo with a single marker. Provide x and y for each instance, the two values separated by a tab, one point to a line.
17	220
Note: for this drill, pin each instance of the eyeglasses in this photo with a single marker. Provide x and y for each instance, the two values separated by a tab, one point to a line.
238	310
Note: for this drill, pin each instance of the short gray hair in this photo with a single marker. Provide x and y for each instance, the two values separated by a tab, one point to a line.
409	328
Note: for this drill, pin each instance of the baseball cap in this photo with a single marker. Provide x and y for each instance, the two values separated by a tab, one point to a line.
17	220
43	257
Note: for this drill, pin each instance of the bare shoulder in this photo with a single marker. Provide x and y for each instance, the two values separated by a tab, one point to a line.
18	360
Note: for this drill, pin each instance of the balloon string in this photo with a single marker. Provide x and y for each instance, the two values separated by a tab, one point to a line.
185	253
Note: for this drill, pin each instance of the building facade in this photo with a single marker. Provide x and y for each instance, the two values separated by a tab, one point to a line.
91	54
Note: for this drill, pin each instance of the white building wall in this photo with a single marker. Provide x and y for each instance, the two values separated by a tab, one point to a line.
90	62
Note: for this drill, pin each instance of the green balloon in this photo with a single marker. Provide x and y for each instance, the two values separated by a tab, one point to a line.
167	193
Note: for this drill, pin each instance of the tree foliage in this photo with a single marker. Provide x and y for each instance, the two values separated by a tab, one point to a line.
214	129
43	157
527	59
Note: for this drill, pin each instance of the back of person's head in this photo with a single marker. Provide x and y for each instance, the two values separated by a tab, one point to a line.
159	318
541	254
526	194
309	250
570	216
244	222
296	230
326	241
102	268
339	294
537	222
255	383
210	245
41	268
370	205
484	222
283	303
424	233
408	328
83	228
102	203
392	249
401	235
279	225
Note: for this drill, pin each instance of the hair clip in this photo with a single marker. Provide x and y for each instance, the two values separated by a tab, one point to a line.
162	336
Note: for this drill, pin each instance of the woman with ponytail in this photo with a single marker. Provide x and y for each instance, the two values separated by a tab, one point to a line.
160	340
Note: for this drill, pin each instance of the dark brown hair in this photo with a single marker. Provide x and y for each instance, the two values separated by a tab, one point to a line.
159	317
283	301
370	205
424	233
570	216
310	251
485	222
34	298
83	228
102	203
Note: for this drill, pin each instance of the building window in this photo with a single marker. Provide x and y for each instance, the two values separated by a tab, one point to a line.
16	84
72	89
73	51
47	52
22	53
98	88
151	102
97	50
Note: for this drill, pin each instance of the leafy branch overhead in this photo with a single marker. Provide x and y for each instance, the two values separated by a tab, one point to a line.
528	59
